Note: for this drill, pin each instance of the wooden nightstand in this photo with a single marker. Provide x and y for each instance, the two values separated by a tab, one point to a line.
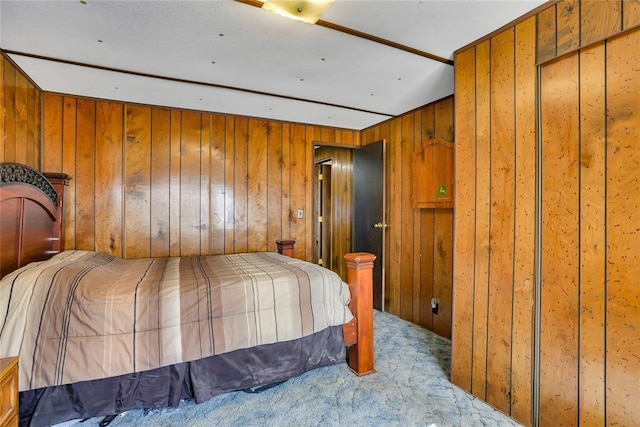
9	392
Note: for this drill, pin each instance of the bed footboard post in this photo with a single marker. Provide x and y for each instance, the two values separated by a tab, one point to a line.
285	247
360	280
60	182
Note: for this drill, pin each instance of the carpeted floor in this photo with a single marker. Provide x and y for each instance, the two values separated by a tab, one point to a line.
410	388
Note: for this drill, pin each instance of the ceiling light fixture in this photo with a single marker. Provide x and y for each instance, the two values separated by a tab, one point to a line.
308	11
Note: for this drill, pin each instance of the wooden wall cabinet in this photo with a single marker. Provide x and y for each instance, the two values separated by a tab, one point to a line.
9	392
433	175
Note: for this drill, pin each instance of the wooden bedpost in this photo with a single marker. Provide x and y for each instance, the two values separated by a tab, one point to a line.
358	333
285	247
360	280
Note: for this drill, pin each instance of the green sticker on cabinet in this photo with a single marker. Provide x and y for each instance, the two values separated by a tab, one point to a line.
442	190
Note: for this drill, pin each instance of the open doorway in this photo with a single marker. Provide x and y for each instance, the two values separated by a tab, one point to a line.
333	207
323	214
339	226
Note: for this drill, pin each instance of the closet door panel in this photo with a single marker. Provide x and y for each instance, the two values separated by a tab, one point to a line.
560	243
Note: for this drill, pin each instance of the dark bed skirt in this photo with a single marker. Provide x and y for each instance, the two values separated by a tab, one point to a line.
200	379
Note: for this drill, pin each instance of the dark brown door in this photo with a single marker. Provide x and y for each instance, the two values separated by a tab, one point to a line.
368	220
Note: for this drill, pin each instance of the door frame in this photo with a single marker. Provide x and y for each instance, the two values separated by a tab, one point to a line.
383	255
339	266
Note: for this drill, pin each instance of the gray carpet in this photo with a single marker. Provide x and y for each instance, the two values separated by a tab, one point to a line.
410	388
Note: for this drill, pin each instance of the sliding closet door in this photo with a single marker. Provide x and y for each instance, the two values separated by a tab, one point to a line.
622	232
590	257
560	243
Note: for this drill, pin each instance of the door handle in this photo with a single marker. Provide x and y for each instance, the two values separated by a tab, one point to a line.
379	225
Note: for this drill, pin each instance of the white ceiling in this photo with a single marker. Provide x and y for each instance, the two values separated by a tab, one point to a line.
230	57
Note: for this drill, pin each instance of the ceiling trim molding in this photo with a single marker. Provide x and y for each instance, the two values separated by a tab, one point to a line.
195	82
365	36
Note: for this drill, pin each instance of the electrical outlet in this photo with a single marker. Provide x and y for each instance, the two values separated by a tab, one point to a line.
300	213
434	305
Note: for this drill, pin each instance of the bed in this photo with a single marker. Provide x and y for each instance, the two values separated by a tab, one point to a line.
103	335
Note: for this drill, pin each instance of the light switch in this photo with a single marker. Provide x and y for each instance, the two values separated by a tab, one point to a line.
300	213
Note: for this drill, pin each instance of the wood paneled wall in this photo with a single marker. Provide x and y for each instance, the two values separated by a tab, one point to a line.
589	182
495	208
573	24
419	242
152	181
590	354
19	118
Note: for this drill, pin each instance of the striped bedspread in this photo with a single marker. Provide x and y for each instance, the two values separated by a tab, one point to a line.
84	315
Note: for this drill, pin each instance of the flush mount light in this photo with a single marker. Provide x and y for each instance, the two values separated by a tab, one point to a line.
308	11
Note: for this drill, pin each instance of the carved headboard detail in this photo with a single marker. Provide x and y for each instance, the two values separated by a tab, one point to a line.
31	220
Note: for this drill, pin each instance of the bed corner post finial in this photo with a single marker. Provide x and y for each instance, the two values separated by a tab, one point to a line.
285	247
360	280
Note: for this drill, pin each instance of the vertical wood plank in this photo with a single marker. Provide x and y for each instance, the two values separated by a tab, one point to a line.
568	26
443	270
190	184
85	174
298	186
502	221
137	182
205	196
369	135
37	128
599	20
407	251
174	184
429	123
417	231
394	219
218	190
308	201
630	14
274	184
257	191
525	191
444	119
108	178
465	219
592	239
622	235
348	137
560	243
427	246
230	194
52	132
424	270
240	185
160	182
337	136
286	180
327	135
21	116
32	141
10	108
483	200
69	166
546	31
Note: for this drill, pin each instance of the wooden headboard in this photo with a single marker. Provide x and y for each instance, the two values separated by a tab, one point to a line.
31	220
